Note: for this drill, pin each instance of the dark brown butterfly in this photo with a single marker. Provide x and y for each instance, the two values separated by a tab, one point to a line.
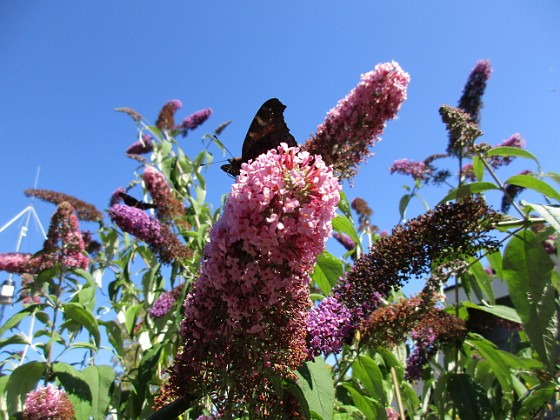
266	132
133	202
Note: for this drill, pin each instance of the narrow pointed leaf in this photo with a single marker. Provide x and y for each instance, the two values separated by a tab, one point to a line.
342	224
469	397
470	189
535	184
528	272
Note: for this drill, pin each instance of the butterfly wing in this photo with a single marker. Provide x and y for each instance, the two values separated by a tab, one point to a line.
133	202
267	131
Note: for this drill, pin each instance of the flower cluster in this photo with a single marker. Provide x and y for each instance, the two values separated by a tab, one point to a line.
166	117
30	292
360	206
345	240
351	128
245	318
467	172
435	330
328	325
551	244
48	402
14	262
148	229
448	231
418	170
511	192
463	131
64	245
131	113
162	305
193	121
471	101
167	206
421	171
514	141
142	146
388	325
85	211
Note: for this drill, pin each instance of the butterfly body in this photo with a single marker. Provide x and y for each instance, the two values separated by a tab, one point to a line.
133	202
266	132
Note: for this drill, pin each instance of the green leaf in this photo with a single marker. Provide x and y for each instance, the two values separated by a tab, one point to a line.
23	379
147	367
469	397
499	368
16	318
403	204
115	336
344	205
99	379
483	280
534	401
344	225
501	311
165	148
77	313
369	408
511	151
554	175
535	184
14	339
76	387
327	271
478	168
131	315
470	189
495	260
3	382
550	213
528	272
315	381
367	372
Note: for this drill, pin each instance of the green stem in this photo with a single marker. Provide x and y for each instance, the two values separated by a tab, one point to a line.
502	187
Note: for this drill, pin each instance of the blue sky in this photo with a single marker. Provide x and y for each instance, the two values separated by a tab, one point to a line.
64	67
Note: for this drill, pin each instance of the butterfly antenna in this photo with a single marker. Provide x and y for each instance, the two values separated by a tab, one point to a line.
221	145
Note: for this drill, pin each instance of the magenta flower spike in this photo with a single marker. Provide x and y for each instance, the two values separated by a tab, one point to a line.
245	318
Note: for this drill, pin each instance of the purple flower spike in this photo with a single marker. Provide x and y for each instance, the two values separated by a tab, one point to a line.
194	120
141	147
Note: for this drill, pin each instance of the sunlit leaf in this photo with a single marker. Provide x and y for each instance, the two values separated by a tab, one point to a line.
79	314
344	225
23	379
550	213
470	189
508	151
76	387
327	271
314	379
99	379
527	270
535	184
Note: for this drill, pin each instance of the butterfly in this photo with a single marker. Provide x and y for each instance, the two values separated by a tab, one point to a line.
133	202
266	132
